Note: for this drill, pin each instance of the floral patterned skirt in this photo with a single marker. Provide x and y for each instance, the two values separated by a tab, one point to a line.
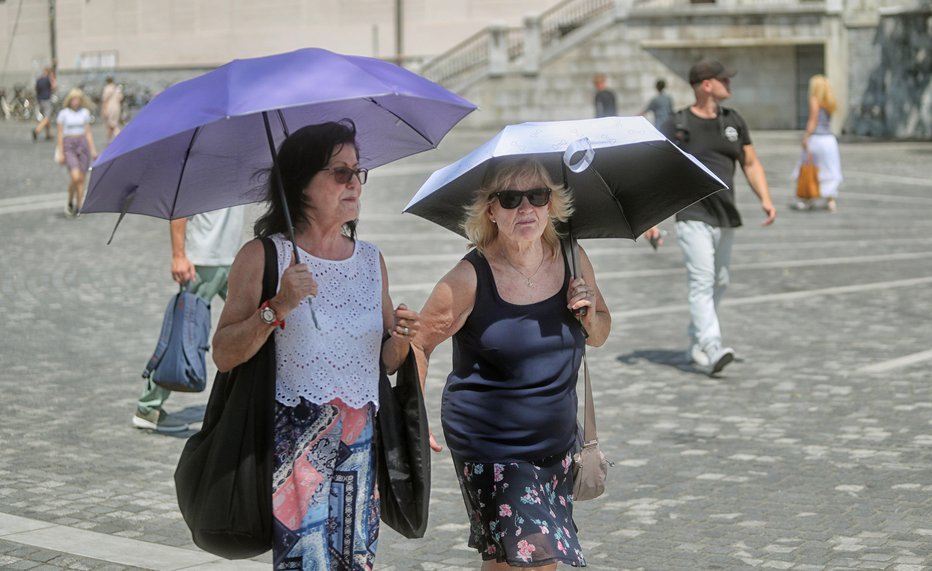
521	513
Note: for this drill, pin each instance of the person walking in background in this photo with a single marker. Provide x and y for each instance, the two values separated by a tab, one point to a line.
819	144
718	137
45	87
111	107
509	405
203	247
76	148
325	504
661	105
604	97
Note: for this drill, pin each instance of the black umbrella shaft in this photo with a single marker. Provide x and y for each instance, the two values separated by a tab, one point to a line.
276	176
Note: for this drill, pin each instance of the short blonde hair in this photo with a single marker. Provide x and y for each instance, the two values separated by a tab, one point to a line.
505	175
821	89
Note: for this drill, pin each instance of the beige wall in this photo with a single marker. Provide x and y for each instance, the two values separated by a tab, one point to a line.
205	33
23	58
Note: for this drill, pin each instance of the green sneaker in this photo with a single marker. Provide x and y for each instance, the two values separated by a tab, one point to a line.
158	420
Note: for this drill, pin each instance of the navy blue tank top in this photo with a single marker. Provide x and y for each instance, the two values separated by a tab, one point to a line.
512	392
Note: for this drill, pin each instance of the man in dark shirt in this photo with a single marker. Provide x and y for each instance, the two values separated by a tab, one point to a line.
604	97
45	86
719	138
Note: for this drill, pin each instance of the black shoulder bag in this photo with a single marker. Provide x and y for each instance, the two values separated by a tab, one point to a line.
403	448
224	475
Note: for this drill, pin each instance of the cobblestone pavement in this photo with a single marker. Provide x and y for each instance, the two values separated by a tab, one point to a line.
813	451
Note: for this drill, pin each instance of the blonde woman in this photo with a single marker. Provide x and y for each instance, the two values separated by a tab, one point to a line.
820	145
76	148
509	405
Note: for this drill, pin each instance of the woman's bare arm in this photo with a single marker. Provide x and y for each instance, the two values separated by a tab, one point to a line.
443	314
241	333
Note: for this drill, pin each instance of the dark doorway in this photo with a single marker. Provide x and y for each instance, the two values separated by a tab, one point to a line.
810	60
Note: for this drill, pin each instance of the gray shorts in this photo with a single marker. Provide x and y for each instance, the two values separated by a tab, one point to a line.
45	107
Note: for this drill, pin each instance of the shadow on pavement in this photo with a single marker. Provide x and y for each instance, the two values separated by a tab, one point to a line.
191	414
675	358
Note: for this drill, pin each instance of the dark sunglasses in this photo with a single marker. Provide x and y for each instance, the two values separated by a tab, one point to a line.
512	198
343	174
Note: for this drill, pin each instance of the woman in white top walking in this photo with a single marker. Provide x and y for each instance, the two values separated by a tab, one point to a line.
820	145
76	147
324	502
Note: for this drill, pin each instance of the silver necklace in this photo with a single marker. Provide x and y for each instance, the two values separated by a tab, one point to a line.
527	279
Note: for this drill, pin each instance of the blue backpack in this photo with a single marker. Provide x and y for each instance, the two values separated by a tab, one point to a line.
179	361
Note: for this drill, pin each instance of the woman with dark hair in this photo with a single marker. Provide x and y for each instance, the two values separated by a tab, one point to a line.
509	405
324	502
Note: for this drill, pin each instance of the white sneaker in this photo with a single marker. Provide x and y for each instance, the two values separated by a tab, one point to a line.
697	355
719	358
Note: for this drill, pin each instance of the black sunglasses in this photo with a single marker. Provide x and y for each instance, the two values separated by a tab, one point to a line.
512	198
343	174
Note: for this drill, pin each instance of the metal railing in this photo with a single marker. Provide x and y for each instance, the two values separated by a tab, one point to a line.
567	16
515	41
467	57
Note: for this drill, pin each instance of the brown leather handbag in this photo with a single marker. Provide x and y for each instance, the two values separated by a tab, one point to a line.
807	183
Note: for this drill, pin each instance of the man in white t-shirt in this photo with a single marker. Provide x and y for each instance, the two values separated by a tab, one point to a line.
203	248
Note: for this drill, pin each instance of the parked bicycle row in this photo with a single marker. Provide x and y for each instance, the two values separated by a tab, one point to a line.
20	103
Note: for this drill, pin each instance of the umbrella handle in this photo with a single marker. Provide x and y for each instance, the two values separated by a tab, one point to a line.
577	158
276	175
570	249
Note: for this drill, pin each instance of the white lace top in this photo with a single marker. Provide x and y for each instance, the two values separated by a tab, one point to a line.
341	359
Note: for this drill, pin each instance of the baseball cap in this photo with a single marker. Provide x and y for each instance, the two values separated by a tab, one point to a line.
708	69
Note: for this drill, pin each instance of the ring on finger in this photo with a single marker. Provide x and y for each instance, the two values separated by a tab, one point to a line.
406	331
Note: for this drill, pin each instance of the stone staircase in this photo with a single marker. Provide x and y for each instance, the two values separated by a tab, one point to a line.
496	50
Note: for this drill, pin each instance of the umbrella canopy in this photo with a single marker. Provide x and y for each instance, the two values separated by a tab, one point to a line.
196	146
624	175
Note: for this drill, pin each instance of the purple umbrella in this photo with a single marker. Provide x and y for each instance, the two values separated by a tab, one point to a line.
196	146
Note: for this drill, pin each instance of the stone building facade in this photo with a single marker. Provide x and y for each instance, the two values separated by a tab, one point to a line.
877	55
522	61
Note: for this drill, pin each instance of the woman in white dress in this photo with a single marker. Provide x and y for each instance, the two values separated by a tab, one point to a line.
111	107
820	144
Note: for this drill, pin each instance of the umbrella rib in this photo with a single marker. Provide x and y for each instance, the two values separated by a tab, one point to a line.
401	119
281	117
184	165
614	198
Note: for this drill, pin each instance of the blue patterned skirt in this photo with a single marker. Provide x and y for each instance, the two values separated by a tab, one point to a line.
324	497
521	513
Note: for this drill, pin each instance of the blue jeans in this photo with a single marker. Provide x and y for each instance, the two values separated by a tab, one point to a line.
210	281
707	253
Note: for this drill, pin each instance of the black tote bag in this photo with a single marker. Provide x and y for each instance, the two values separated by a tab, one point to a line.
403	448
224	475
